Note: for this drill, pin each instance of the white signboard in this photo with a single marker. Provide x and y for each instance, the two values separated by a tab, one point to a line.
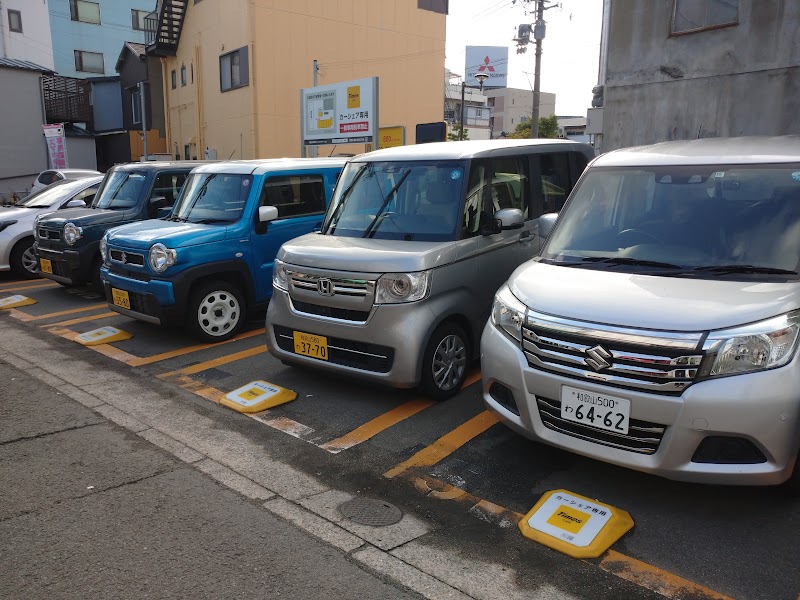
571	519
340	113
488	60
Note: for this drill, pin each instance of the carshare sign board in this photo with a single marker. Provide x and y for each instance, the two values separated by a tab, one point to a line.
340	113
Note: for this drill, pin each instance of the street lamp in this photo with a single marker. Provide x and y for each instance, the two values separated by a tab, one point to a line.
481	77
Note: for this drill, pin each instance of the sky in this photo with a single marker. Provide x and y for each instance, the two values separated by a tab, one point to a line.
570	49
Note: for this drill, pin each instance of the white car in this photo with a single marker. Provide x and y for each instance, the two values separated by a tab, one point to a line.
16	222
45	178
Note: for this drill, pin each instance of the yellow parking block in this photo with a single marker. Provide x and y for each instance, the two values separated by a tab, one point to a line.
257	396
575	525
15	302
103	335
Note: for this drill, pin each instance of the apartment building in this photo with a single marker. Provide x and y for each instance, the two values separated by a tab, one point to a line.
25	32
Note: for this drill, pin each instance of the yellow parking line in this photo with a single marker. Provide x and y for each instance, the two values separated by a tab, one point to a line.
210	364
13	283
446	444
33	286
653	578
375	426
96	317
189	349
26	317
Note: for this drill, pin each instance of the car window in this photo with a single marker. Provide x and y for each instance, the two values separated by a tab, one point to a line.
52	195
294	195
556	184
213	198
47	177
87	195
510	184
168	186
120	190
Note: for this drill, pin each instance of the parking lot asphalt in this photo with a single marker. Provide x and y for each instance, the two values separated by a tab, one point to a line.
468	478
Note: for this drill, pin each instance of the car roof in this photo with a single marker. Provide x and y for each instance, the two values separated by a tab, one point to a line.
707	151
261	166
159	165
470	149
68	171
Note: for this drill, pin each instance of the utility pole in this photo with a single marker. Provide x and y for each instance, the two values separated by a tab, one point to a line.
461	120
312	151
143	105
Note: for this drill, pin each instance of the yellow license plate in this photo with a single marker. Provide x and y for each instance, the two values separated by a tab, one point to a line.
46	266
121	298
312	345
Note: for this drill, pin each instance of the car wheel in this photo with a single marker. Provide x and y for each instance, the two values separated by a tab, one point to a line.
215	311
445	362
23	259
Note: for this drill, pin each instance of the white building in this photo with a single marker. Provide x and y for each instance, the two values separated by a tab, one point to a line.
511	106
476	112
25	32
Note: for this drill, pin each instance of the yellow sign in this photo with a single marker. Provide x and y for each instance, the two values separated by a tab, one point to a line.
103	335
391	137
16	301
354	96
575	525
257	396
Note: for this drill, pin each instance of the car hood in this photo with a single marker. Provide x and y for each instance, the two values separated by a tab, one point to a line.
365	255
85	217
144	234
649	302
15	213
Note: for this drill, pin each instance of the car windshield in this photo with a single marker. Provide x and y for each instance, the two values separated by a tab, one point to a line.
692	221
212	198
52	195
417	200
120	190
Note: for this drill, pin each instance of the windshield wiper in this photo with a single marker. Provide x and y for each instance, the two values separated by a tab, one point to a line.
209	221
724	269
346	194
624	260
369	231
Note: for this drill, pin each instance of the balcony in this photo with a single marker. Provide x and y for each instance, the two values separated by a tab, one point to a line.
162	28
66	99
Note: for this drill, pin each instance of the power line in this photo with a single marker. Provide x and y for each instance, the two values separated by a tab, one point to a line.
479	13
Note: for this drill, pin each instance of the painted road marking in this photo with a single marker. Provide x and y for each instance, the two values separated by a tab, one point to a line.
96	317
446	445
210	364
32	286
189	349
13	283
26	317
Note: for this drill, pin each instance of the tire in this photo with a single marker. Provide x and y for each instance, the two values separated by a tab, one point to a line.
445	362
23	260
215	311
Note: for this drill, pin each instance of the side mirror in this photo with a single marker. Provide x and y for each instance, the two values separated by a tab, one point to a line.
158	202
267	213
75	204
509	218
546	223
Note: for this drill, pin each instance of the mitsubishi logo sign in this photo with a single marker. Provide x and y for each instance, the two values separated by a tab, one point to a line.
491	61
325	287
486	66
597	357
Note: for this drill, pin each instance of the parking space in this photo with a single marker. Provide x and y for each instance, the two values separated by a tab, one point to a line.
689	541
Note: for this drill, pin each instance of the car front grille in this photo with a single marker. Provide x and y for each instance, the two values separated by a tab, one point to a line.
127	258
344	314
348	353
49	234
643	437
331	286
656	362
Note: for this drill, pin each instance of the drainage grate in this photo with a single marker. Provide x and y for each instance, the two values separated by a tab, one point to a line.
377	513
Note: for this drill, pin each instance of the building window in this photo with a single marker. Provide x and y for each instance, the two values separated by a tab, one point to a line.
84	11
183	75
15	21
690	16
174	77
137	19
89	62
136	106
437	6
234	70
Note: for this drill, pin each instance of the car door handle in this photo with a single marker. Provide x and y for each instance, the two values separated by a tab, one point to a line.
525	236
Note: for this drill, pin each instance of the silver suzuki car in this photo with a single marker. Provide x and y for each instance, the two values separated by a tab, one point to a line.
398	284
658	329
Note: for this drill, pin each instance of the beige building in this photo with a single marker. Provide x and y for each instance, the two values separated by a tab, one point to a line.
233	69
511	106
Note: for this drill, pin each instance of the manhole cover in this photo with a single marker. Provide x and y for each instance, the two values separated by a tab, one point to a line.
377	513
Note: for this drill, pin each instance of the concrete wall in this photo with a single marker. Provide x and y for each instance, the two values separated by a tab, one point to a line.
738	80
352	39
106	38
22	145
34	44
81	153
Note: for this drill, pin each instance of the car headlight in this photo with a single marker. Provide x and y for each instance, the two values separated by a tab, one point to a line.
508	313
161	257
756	347
279	278
104	249
72	233
394	288
4	224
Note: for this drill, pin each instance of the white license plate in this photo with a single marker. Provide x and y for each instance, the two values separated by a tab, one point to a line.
596	410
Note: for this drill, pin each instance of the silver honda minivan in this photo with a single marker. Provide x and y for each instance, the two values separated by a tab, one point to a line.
398	284
658	328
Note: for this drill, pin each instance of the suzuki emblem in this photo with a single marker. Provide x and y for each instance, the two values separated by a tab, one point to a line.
597	358
123	257
325	287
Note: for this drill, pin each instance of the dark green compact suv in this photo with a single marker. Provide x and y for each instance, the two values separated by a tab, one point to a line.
67	241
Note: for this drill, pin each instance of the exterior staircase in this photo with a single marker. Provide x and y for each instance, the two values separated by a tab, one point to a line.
163	27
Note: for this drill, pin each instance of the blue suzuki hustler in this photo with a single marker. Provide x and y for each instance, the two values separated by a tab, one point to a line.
208	263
